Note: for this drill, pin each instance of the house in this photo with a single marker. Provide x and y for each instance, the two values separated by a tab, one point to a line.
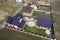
17	21
19	1
27	10
44	22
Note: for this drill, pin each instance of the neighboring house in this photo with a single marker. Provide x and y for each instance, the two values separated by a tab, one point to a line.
17	21
19	1
27	10
44	22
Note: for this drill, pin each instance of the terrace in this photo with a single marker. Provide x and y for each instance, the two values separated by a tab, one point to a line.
37	14
42	27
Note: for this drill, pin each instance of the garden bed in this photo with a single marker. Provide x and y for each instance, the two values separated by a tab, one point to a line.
35	30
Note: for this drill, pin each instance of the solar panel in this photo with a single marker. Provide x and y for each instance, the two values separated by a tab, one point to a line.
16	19
21	25
15	22
44	22
18	15
9	19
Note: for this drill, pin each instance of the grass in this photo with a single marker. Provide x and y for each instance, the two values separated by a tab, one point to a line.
10	7
3	16
7	34
35	30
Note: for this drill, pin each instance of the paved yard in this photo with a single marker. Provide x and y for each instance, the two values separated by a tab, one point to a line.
38	14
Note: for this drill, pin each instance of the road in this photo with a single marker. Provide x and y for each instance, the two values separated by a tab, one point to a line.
56	11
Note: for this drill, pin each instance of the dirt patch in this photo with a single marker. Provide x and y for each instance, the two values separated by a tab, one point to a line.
57	35
3	15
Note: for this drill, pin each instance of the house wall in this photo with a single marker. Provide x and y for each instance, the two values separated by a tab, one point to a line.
27	14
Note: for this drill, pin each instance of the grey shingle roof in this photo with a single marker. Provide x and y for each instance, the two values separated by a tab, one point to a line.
27	9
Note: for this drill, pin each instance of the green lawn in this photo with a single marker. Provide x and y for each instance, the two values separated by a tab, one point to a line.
9	6
35	30
7	34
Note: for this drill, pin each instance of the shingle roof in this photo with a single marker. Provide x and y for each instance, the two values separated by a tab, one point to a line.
44	22
27	9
